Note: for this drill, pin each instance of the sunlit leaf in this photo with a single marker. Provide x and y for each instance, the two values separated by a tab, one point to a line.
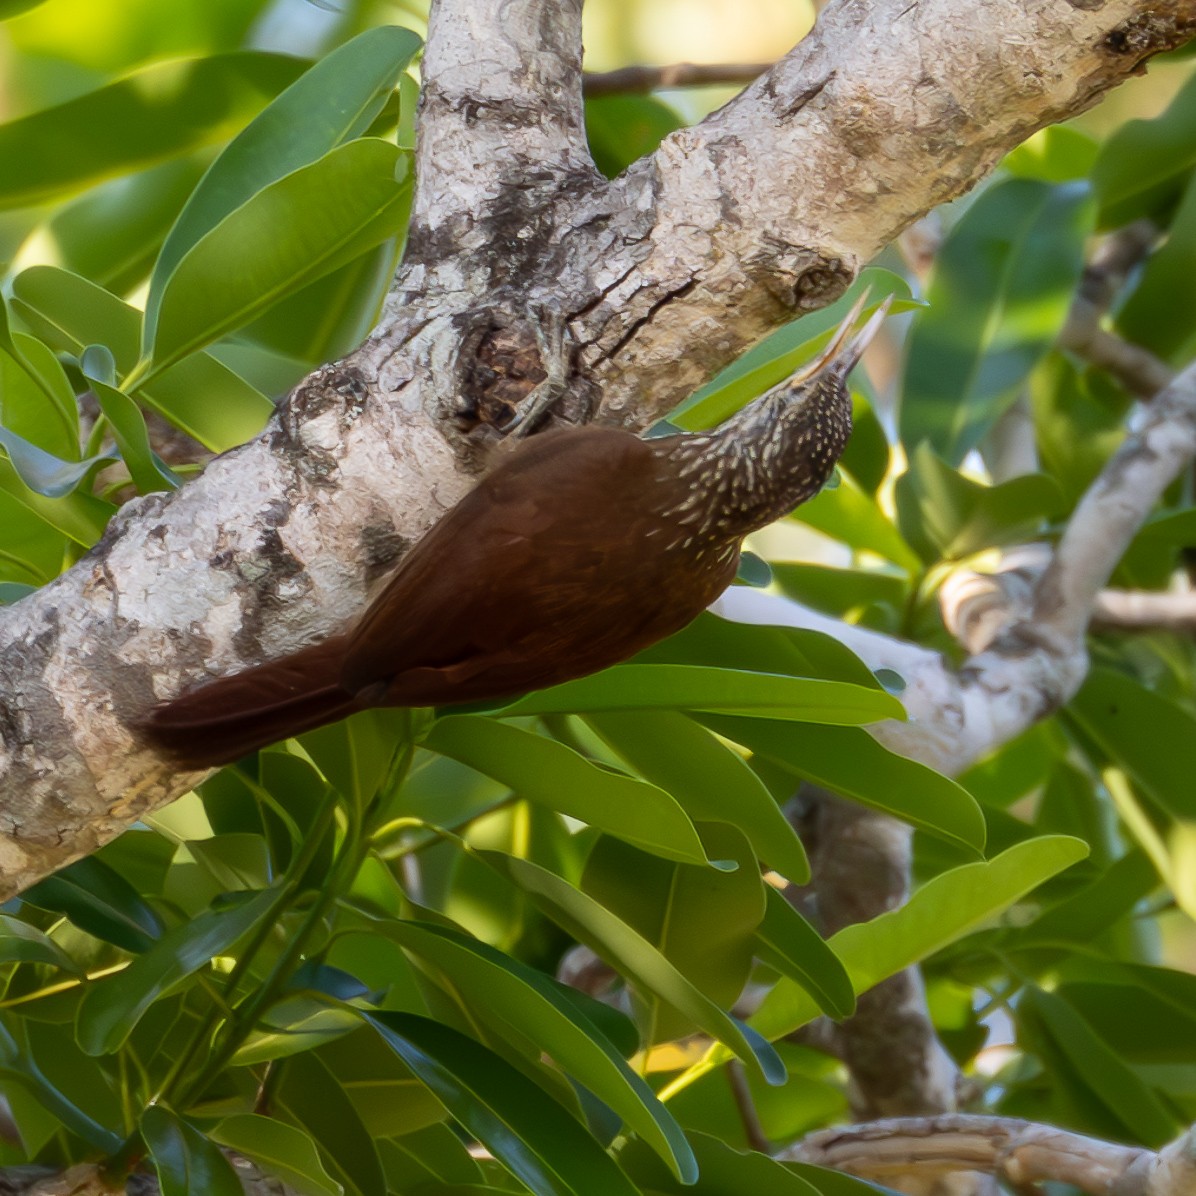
187	1161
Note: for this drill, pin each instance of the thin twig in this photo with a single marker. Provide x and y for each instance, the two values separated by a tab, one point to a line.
630	80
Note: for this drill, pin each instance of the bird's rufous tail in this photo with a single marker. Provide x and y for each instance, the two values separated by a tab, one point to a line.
221	721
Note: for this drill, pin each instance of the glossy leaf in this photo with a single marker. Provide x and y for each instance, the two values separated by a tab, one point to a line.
200	396
1056	154
788	943
779	355
148	471
1145	164
37	400
78	516
504	992
22	943
186	1160
529	1133
42	472
164	110
1157	314
711	782
703	921
99	900
853	517
1103	1074
1002	284
727	691
332	102
303	226
850	762
636	958
112	1006
111	233
18	1066
947	516
1130	723
623	128
310	1096
939	913
549	772
282	1150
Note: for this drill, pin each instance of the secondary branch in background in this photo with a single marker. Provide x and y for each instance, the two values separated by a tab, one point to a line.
1020	1153
640	79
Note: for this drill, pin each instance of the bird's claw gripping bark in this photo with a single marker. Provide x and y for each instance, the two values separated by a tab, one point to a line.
548	323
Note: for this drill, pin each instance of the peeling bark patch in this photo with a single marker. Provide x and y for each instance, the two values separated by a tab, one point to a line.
381	546
1147	33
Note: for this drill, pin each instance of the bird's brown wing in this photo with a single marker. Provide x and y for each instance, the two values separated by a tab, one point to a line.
510	586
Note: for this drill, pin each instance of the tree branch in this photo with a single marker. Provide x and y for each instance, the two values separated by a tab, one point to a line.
733	227
1020	1153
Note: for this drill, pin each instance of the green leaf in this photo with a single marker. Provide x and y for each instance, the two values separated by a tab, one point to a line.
42	472
946	516
331	103
22	943
724	1172
1102	1073
1130	723
850	762
18	1064
623	128
711	782
630	953
99	900
299	228
506	993
80	517
779	355
186	1160
1157	315
788	943
1001	288
942	911
11	8
1145	164
852	516
311	1096
111	233
701	920
146	468
36	397
162	111
200	396
1058	154
113	1006
522	1127
726	691
551	773
282	1150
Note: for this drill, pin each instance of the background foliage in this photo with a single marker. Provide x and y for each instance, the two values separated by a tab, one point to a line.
336	957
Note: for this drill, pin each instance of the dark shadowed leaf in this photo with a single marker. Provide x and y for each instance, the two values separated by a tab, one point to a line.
787	942
284	1151
632	954
99	900
527	1131
112	1006
504	992
187	1160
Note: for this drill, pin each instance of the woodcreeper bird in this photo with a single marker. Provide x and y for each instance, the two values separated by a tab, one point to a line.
582	547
